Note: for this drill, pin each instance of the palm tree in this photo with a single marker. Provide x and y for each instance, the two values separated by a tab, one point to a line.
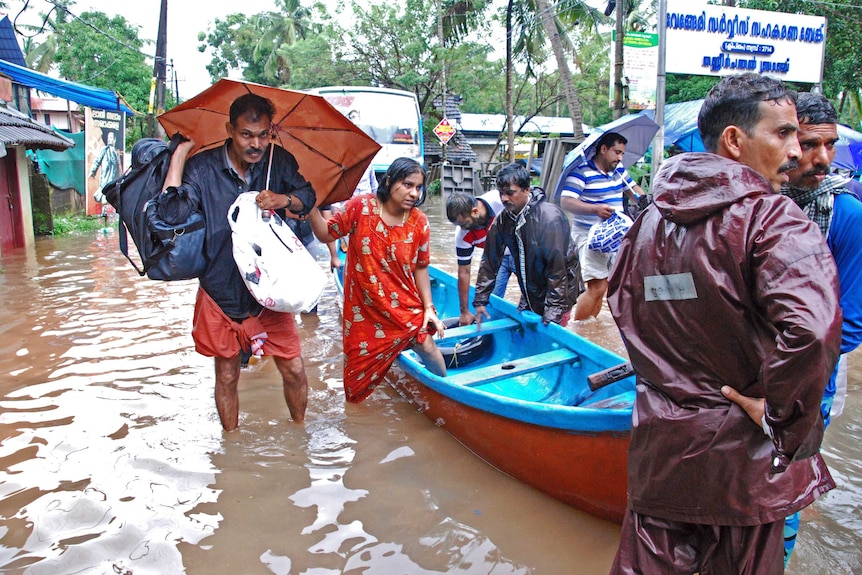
535	22
278	29
40	55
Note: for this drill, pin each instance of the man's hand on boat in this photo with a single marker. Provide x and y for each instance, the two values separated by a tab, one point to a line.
480	311
466	318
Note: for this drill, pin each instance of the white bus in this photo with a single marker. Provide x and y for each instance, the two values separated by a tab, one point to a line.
389	116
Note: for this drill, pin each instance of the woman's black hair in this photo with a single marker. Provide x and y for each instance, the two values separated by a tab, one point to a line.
398	171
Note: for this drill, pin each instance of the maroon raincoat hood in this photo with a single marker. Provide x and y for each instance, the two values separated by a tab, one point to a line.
692	186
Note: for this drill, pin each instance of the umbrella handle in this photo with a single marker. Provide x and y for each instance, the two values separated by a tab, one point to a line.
269	166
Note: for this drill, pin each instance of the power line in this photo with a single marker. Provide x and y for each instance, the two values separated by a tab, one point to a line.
117	41
41	29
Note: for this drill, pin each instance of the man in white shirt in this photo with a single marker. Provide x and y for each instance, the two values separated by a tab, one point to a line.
474	216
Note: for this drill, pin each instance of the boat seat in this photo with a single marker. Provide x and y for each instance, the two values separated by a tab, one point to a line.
625	400
514	367
488	327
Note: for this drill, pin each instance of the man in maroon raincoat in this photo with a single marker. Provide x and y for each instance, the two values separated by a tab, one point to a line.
726	296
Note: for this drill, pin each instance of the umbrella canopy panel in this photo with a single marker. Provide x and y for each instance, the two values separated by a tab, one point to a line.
332	152
638	129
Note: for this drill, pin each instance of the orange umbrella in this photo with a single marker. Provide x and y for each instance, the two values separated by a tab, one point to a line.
332	152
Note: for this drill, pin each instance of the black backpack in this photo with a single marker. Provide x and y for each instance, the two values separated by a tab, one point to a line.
134	196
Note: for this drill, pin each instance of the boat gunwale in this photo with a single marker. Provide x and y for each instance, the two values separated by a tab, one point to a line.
575	418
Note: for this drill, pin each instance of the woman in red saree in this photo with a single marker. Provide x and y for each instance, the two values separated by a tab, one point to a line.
387	288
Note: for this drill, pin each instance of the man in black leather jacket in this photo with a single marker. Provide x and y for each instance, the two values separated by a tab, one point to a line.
538	236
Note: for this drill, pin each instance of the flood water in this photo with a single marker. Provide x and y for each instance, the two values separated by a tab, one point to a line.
114	461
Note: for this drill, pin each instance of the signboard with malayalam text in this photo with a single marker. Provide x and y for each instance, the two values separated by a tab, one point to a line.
105	141
640	66
712	40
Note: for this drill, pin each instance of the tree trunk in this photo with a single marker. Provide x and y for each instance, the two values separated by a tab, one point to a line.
510	108
550	27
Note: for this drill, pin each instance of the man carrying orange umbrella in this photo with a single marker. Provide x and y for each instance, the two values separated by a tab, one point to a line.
227	317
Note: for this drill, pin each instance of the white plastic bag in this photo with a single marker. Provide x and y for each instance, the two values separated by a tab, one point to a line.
607	235
275	266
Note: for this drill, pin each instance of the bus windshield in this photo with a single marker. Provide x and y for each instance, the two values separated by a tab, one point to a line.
391	117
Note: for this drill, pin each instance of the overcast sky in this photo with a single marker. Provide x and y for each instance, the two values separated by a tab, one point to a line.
185	19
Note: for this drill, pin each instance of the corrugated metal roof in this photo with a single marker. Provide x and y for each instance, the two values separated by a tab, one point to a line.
496	123
16	129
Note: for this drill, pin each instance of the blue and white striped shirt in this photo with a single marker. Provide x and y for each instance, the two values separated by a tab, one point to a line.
591	185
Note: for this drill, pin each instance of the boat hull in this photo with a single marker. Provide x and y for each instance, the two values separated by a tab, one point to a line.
525	405
586	470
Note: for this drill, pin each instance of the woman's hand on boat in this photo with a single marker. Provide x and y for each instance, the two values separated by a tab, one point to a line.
481	311
335	262
431	318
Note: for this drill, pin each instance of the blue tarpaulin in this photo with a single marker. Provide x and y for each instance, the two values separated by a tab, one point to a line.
679	119
680	128
84	95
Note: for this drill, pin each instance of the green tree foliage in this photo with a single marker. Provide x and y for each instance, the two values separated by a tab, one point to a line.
107	53
479	81
384	48
312	64
277	31
233	40
592	79
536	22
684	87
266	47
397	45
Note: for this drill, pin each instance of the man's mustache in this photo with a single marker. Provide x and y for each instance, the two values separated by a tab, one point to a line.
817	171
789	166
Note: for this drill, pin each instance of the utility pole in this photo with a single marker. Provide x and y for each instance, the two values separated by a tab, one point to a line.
661	86
443	69
510	106
618	61
157	86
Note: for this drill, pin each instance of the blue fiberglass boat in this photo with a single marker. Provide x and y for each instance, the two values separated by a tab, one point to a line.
520	396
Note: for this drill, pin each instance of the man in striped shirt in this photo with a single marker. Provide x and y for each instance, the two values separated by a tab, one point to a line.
592	193
473	216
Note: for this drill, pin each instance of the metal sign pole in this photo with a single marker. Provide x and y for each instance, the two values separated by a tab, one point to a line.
661	79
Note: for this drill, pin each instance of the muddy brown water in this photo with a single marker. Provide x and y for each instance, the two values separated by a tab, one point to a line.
113	459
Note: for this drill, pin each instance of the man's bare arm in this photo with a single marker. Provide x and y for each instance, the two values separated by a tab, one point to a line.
174	177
